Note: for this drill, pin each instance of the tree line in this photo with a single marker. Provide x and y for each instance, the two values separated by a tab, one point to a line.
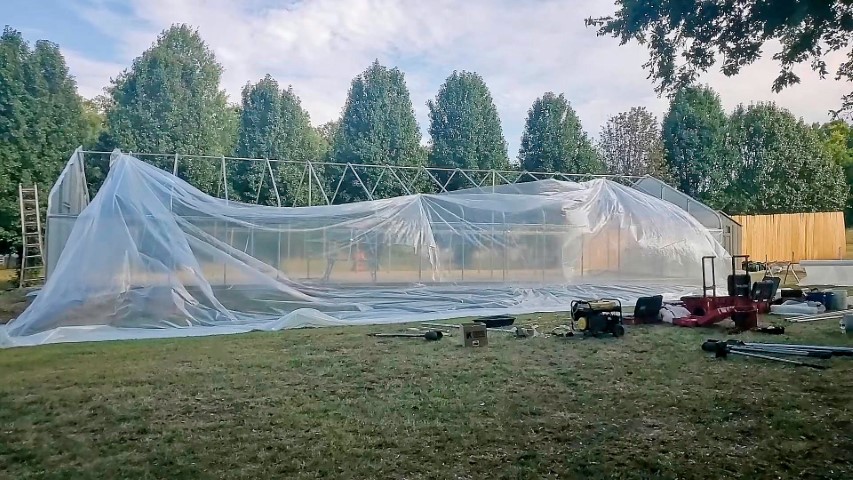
758	159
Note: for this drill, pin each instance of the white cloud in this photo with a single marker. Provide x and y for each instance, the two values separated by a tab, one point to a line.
91	75
811	99
522	49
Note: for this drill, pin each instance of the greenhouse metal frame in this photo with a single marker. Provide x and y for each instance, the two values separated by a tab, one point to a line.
313	188
390	174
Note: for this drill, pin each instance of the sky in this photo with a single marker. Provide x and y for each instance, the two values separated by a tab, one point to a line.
521	48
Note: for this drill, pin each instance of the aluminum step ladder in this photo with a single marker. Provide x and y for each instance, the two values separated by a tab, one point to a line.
32	260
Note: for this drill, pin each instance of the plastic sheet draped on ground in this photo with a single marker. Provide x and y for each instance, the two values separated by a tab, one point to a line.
152	256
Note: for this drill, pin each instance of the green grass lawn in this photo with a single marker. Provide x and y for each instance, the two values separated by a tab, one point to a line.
335	403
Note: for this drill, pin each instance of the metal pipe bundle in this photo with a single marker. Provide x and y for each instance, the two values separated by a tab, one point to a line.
835	350
819	316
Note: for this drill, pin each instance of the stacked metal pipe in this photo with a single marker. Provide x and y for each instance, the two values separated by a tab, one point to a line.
819	316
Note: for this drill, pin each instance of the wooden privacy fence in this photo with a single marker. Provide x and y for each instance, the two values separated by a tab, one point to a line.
806	236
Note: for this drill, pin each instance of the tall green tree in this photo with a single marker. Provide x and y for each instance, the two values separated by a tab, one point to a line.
17	147
41	122
231	127
328	130
465	128
170	102
694	142
630	144
94	119
273	125
378	127
686	38
554	140
327	133
60	124
837	138
314	148
258	136
782	165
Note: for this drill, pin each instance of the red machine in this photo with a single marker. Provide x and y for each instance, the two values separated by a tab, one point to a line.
742	304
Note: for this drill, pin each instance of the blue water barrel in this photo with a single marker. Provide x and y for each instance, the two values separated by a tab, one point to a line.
817	297
829	303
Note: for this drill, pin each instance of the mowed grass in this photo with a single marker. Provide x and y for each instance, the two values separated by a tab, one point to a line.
336	403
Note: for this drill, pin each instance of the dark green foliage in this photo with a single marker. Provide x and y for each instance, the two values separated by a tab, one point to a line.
300	141
554	140
259	136
694	141
170	102
781	165
231	127
17	108
273	125
687	37
94	119
41	122
378	127
327	133
837	138
97	166
465	129
630	144
328	130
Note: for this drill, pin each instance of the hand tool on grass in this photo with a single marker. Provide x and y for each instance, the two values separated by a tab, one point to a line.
431	335
441	325
519	331
770	329
446	333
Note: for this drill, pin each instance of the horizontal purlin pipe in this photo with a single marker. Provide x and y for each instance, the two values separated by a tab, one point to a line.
370	165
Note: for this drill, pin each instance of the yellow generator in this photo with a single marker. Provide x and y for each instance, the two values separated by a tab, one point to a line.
597	317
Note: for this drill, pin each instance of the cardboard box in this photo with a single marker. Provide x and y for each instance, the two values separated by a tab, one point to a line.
474	335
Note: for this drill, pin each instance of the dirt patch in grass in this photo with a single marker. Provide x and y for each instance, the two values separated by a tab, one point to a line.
335	403
12	303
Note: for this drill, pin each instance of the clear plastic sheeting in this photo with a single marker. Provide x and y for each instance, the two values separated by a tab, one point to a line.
67	199
724	228
152	256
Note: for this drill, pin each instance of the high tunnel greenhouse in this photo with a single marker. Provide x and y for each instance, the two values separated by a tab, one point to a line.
153	256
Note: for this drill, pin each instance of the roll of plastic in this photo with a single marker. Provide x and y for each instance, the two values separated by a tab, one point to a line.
809	308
